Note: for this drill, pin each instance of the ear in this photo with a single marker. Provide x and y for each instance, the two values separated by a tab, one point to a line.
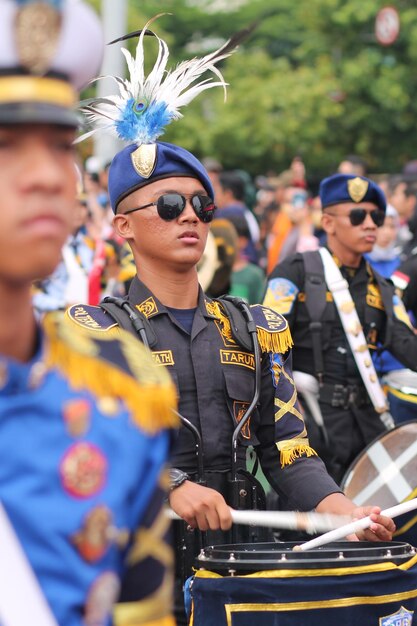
122	227
327	223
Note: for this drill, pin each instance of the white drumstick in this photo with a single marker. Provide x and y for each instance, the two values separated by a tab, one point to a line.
360	524
309	522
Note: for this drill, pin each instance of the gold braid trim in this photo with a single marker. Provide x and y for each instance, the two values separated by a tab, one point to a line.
275	341
154	610
150	402
292	449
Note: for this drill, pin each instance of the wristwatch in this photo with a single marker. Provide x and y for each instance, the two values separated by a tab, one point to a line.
176	478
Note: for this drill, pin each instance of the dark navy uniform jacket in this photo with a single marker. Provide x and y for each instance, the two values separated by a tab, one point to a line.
285	292
85	430
214	376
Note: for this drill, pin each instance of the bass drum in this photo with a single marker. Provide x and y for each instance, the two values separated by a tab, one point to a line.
272	584
385	473
401	387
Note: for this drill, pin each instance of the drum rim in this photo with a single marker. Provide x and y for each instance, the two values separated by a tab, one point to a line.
343	554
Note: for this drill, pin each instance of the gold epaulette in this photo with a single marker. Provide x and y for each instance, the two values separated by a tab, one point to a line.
116	367
272	329
292	449
92	318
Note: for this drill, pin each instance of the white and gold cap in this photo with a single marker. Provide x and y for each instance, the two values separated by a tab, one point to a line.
49	50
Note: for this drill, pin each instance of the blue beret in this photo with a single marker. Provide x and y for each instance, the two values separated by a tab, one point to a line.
341	188
134	167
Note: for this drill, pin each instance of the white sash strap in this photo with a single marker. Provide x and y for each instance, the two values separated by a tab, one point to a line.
353	329
21	599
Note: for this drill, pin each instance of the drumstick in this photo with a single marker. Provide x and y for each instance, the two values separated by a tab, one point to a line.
310	522
360	524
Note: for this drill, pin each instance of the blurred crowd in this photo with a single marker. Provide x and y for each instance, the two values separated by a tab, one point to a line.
259	222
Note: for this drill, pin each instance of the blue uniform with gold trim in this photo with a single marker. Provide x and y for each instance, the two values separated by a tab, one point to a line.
85	430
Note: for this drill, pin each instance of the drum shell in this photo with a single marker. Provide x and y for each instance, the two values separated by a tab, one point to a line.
401	388
385	473
324	593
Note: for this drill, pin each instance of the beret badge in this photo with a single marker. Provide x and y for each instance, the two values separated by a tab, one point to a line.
144	159
357	188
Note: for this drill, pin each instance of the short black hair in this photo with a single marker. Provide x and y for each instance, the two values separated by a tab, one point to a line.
231	181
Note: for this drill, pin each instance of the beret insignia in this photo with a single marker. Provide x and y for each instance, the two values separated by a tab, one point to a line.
144	159
357	188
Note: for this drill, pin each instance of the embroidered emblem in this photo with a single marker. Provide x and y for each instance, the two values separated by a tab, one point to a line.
163	357
98	534
147	307
281	295
83	470
37	30
144	159
233	357
101	598
222	322
239	409
77	415
373	297
400	618
91	317
357	188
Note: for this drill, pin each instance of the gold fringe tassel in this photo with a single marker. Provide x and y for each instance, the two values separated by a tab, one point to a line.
275	342
289	454
151	404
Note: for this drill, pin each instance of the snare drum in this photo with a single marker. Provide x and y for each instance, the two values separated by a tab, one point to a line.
401	386
385	473
271	584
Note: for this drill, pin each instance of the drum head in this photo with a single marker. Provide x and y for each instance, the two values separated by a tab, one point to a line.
386	471
251	557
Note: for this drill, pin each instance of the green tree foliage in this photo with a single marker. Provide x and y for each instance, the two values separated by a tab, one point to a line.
310	80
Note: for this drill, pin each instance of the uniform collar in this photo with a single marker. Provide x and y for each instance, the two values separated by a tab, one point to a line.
143	299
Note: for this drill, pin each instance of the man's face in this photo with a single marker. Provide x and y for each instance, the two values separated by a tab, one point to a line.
353	240
404	204
37	193
295	204
177	244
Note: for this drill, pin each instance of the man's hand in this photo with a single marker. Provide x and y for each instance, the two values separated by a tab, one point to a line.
381	529
201	507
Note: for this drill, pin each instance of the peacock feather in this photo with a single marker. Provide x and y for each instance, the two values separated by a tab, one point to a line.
145	105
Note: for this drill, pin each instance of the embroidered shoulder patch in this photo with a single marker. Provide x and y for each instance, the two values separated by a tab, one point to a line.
281	295
272	328
91	317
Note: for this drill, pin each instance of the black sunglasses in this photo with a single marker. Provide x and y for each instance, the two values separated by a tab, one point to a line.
358	216
171	205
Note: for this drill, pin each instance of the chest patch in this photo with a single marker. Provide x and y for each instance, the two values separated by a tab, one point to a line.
373	297
163	357
234	357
